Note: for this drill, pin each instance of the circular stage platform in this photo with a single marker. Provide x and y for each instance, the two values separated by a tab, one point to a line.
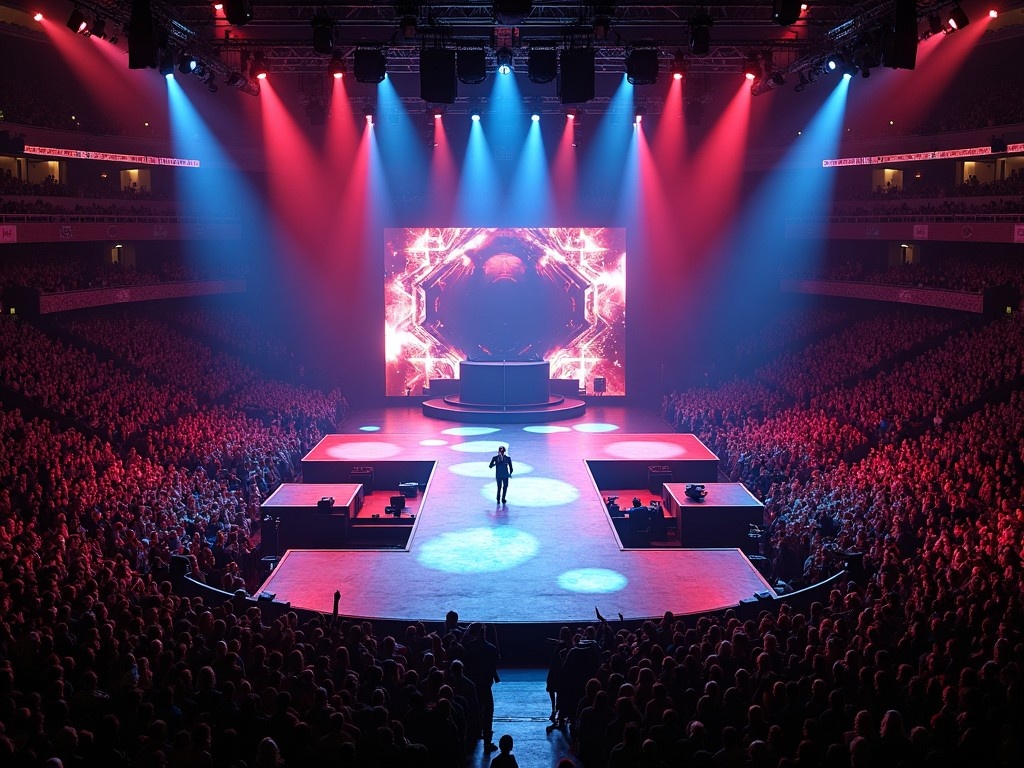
453	408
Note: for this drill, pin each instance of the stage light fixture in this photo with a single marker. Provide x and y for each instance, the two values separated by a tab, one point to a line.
368	114
336	66
804	82
323	34
99	28
206	75
475	117
38	16
695	492
993	14
370	65
834	62
572	114
602	24
958	18
700	33
258	68
166	63
76	22
186	64
678	69
535	118
542	65
752	69
238	12
785	13
218	6
936	26
642	66
504	58
638	117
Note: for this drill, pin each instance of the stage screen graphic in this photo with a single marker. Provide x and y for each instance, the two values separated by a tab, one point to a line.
554	294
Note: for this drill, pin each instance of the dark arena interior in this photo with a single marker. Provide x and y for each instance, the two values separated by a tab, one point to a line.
491	382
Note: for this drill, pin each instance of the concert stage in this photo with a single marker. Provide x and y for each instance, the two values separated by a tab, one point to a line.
549	556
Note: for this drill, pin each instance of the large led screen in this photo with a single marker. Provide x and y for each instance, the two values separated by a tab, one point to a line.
554	294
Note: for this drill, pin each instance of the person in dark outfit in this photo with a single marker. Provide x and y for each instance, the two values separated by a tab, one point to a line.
480	658
502	466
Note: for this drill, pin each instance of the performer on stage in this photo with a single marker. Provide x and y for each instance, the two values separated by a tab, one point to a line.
502	466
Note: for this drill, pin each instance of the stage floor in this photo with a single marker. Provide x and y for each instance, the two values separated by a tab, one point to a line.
550	555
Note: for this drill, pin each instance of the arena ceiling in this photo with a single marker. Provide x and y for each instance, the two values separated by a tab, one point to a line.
282	32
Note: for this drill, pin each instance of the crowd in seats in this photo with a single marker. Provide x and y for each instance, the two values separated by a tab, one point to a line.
50	187
164	354
915	189
58	274
966	273
985	103
914	659
860	347
806	438
789	326
70	381
237	328
956	373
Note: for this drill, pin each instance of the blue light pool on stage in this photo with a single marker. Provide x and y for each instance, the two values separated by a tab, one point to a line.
545	429
369	428
478	550
592	581
597	427
481	469
469	431
534	491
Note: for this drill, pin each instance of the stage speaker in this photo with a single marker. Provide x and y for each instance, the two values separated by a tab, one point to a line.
900	52
472	65
657	476
370	65
409	490
576	84
542	65
600	385
141	36
398	502
325	504
438	80
362	476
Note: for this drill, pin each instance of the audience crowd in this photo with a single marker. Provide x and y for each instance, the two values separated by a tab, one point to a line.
972	274
890	447
50	187
58	273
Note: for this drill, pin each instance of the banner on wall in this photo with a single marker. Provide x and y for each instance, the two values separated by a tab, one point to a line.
920	231
1018	233
8	233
